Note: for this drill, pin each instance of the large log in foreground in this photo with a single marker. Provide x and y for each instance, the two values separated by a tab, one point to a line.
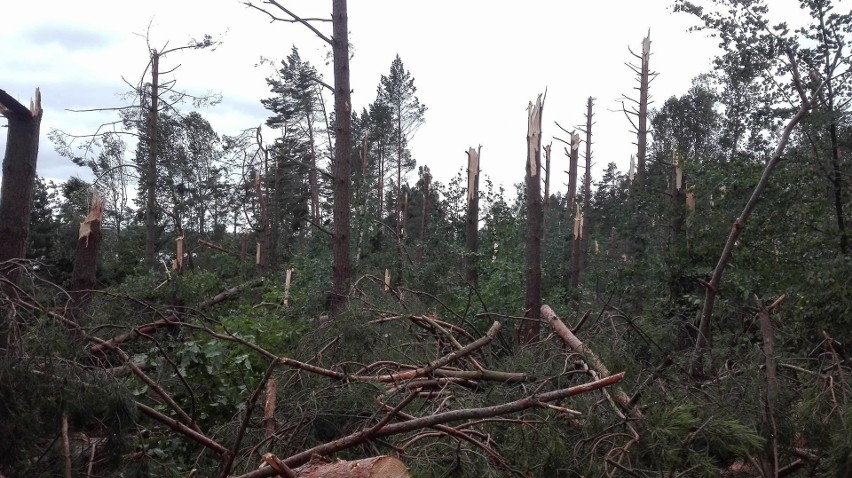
374	467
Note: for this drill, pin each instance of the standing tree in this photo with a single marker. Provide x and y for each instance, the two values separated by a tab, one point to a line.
152	94
397	92
297	112
774	57
639	110
581	224
19	172
339	42
471	269
528	332
16	192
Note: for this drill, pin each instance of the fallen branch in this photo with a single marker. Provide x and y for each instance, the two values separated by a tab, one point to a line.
437	419
594	362
184	430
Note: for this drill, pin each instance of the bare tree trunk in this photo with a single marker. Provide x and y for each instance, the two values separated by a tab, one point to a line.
581	224
263	244
770	459
838	184
269	424
529	330
84	275
16	196
313	181
546	199
642	133
19	172
472	223
151	173
342	150
424	219
678	197
573	159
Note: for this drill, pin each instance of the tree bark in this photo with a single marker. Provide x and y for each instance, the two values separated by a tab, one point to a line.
573	159
529	330
581	224
770	459
471	269
642	133
589	357
342	150
151	173
84	275
19	172
16	197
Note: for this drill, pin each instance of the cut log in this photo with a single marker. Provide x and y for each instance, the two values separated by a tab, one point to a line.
375	467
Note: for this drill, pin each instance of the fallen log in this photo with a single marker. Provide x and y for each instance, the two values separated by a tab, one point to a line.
374	467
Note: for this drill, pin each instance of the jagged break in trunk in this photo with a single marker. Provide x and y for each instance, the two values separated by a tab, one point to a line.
471	270
529	330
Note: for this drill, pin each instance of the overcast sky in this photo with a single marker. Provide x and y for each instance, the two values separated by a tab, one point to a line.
476	63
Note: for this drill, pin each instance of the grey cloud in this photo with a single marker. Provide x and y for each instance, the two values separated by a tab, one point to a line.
69	37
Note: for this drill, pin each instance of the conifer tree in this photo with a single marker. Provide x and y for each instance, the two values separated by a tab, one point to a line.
397	92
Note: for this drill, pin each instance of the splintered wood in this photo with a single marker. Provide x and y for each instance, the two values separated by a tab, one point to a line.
96	213
375	467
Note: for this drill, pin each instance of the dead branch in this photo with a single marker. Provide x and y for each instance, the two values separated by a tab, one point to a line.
594	362
184	430
437	419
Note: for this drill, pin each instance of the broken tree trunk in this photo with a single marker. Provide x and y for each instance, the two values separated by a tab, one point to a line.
639	108
528	331
19	172
84	275
573	159
471	269
16	195
151	170
581	225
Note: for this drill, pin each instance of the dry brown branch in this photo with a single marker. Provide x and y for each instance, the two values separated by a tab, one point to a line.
438	419
184	430
153	385
145	329
66	446
594	362
229	459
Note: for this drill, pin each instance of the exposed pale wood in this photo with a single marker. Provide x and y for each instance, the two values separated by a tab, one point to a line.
84	274
269	424
66	446
287	277
529	329
589	356
471	260
374	467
